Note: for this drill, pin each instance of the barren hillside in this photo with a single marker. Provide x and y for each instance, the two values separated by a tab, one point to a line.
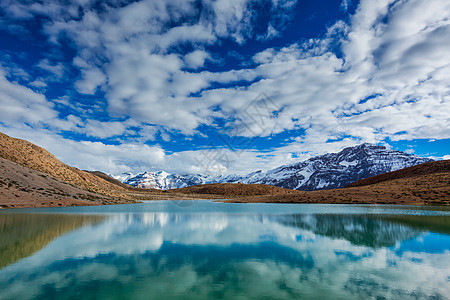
23	187
435	167
36	158
30	176
236	190
429	186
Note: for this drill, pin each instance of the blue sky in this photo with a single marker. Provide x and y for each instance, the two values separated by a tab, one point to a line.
225	86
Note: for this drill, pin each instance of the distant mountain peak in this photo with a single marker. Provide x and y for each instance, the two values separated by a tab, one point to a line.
368	145
327	171
362	147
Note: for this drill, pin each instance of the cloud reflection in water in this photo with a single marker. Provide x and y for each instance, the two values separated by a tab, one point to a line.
164	255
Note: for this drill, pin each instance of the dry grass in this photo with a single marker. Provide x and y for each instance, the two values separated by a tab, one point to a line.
431	189
235	190
36	158
23	187
435	167
30	177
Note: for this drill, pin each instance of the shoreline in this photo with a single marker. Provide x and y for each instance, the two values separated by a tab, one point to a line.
50	202
46	203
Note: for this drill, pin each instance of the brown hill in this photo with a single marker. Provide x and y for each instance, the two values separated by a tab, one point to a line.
235	190
428	184
23	187
36	158
24	234
115	181
434	167
31	176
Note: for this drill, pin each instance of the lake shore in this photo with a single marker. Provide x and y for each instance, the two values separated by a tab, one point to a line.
167	250
27	203
32	189
30	176
51	202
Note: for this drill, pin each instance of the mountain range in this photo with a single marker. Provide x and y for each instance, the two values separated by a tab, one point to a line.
328	171
30	176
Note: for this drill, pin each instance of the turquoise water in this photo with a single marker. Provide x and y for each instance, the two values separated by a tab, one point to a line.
207	250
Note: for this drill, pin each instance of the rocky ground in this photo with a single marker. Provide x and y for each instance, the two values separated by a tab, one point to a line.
32	177
426	184
23	187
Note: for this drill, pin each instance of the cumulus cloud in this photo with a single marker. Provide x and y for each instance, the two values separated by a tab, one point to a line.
141	77
56	70
91	79
381	74
196	58
104	129
388	83
20	104
308	249
94	155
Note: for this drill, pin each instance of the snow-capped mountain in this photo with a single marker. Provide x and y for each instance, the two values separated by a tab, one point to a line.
336	170
328	171
123	177
161	180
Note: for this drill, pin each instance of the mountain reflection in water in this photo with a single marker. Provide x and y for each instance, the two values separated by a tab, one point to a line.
210	255
24	234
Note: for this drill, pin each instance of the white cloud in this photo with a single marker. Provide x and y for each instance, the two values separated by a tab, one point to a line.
56	70
409	151
390	79
333	262
345	4
270	33
196	59
140	78
38	83
404	67
91	79
232	16
185	34
104	129
20	104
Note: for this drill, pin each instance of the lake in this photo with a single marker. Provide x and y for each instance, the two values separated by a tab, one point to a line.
208	250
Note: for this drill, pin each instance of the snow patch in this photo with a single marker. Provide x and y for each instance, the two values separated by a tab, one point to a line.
348	163
319	172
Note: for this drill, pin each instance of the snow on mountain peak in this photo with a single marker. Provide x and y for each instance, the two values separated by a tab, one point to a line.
331	170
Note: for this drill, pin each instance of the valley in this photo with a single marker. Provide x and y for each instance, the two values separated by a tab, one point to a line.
32	177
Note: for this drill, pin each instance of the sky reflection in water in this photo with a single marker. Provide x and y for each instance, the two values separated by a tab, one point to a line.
215	250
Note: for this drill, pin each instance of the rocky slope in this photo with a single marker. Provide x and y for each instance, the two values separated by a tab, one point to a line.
336	170
162	180
38	159
31	177
24	187
236	190
429	168
329	171
430	185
